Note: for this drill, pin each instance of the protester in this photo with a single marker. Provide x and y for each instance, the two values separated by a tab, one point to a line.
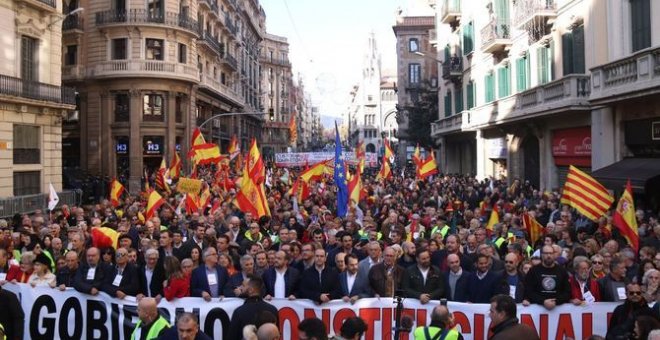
253	305
150	325
547	284
41	276
352	329
622	323
12	317
209	281
177	283
386	277
440	326
504	323
186	328
319	283
423	281
312	329
354	285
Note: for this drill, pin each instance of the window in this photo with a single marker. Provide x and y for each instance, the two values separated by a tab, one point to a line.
413	45
178	102
468	38
26	144
503	81
154	49
471	94
122	107
458	99
523	74
573	51
71	55
27	183
544	63
183	53
414	71
119	49
29	61
153	107
448	104
155	8
640	12
489	84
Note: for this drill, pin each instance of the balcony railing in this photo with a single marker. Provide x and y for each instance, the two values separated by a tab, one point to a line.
636	73
232	61
156	68
533	11
73	72
214	44
143	16
72	22
17	87
452	68
50	3
448	124
216	86
211	4
451	11
495	36
230	25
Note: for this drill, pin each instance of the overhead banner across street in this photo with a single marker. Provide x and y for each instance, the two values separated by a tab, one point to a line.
283	160
50	314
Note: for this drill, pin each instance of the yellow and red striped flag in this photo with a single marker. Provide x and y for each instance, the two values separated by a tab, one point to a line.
493	220
624	218
234	149
427	167
317	171
385	170
116	190
300	190
256	167
389	154
161	177
355	187
196	140
206	154
533	227
586	195
251	196
417	156
153	203
175	167
293	130
104	237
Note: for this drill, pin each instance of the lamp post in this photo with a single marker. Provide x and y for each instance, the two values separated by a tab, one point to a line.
227	114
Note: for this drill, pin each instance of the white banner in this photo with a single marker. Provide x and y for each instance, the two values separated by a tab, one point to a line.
51	314
284	160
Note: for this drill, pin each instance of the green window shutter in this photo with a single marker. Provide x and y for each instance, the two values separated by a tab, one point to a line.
528	71
502	11
470	95
489	83
448	104
447	53
458	100
468	39
542	64
551	62
567	53
521	75
503	82
578	50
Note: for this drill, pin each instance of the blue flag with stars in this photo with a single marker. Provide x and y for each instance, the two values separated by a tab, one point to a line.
340	177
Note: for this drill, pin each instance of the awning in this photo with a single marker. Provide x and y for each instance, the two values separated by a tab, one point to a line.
638	170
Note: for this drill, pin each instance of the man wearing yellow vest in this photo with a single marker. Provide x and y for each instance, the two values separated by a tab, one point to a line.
440	326
151	324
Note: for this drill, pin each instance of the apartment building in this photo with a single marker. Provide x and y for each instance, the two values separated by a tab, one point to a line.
32	101
276	81
530	87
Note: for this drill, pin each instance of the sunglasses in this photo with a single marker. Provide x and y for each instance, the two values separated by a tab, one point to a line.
597	262
634	293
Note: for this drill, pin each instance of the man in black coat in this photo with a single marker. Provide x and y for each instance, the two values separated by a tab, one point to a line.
424	281
291	278
93	276
66	275
320	282
456	280
151	276
11	315
250	311
623	318
124	277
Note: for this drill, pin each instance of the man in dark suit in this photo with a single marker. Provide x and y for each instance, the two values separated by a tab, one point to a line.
166	241
209	281
12	316
92	277
197	239
424	281
457	280
151	276
485	283
251	309
385	278
66	275
124	277
234	287
452	246
281	281
319	283
353	284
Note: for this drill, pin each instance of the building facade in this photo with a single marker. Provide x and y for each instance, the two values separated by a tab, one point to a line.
149	72
276	80
32	102
530	86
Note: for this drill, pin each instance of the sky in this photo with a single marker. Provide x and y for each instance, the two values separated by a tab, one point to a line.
328	40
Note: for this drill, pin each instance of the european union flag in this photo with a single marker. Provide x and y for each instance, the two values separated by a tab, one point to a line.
340	177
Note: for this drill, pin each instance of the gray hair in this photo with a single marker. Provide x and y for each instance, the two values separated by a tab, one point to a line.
28	256
151	251
206	251
579	260
645	278
245	258
187	261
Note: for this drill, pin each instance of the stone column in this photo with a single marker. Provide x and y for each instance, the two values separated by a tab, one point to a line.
170	121
135	142
105	146
481	156
603	141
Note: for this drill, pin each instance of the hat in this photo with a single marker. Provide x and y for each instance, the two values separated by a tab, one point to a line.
43	259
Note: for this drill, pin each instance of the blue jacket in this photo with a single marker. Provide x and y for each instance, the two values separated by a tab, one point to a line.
199	282
291	281
461	293
361	286
481	291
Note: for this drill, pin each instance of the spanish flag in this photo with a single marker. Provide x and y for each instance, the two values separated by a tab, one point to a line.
175	167
104	237
360	155
300	190
153	203
317	171
161	179
385	170
256	167
427	167
586	195
533	227
293	130
417	156
116	190
493	220
624	218
355	187
206	154
205	198
234	149
196	140
389	154
251	196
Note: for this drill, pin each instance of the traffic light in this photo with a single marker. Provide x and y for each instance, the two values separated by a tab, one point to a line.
271	114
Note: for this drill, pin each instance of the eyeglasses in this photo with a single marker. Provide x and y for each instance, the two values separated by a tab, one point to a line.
597	262
634	293
121	254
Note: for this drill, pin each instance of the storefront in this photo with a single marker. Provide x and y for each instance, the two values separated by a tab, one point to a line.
571	147
497	154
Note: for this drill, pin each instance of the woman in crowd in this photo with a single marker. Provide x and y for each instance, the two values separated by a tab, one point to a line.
597	267
650	282
177	284
22	272
226	262
196	256
643	326
108	256
42	276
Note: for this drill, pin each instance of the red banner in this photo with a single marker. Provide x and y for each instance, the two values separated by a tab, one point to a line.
572	146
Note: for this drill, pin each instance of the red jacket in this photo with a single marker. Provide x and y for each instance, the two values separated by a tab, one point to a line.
592	286
15	273
177	288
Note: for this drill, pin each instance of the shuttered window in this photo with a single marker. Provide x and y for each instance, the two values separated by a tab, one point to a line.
489	84
468	38
522	74
573	51
458	99
640	11
544	63
503	82
471	94
448	104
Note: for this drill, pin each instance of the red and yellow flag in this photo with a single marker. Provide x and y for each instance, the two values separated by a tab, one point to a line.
293	130
317	171
153	203
116	190
624	218
300	189
585	194
385	170
256	168
206	154
533	227
427	167
161	177
389	154
360	155
104	237
196	140
494	219
417	156
175	166
234	149
251	197
355	187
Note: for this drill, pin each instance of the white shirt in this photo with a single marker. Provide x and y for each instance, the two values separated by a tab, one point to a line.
350	281
149	274
425	273
280	287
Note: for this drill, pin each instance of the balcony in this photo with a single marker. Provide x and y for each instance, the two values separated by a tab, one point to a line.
211	5
73	23
213	44
570	93
451	12
453	68
229	25
73	72
231	61
534	12
16	87
216	87
635	75
495	36
448	125
144	68
145	17
46	5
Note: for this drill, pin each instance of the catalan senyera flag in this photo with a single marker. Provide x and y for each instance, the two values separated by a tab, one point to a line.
585	194
256	167
234	149
494	219
116	190
624	218
153	203
417	156
293	130
355	187
389	154
251	197
191	202
385	171
175	166
161	176
206	154
533	227
427	167
317	171
104	237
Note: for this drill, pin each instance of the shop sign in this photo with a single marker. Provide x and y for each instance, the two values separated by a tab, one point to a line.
497	148
121	146
153	146
572	142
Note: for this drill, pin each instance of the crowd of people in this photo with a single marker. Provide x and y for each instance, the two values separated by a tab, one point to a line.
425	240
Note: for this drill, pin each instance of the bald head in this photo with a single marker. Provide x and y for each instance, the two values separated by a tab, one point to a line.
454	263
268	331
147	310
441	315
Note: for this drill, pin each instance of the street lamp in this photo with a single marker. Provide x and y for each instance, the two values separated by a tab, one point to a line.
75	11
227	114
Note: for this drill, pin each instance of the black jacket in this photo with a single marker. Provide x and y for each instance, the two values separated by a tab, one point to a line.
311	288
461	293
129	284
156	281
100	280
291	281
247	314
623	319
65	277
11	315
413	283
